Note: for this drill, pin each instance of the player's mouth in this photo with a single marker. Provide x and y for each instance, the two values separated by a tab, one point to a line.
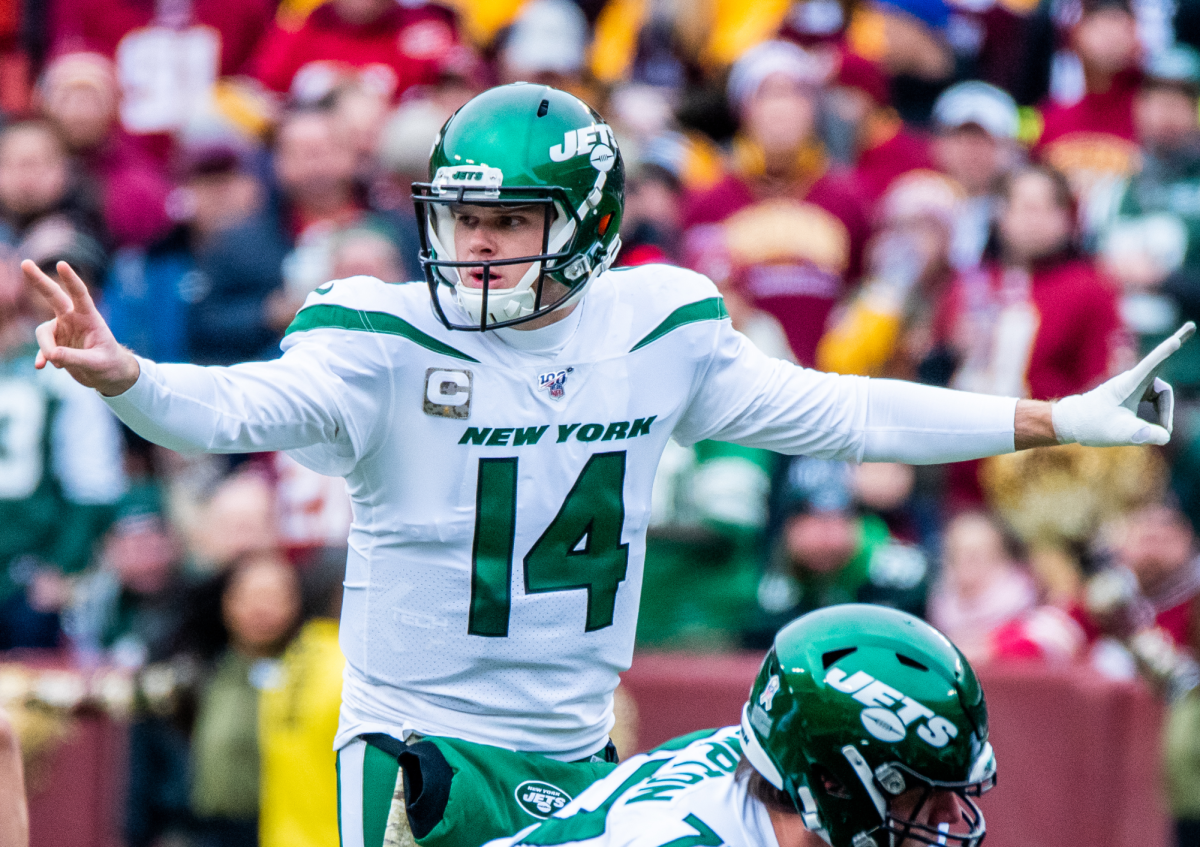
473	278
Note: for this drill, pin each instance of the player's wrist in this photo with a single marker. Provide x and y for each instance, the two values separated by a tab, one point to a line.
1034	425
125	375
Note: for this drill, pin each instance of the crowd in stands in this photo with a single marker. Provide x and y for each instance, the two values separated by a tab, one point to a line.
1001	196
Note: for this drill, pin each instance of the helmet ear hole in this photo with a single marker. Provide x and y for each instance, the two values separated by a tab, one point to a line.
604	222
836	655
824	780
912	663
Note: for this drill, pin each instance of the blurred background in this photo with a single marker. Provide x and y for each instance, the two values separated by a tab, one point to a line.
995	195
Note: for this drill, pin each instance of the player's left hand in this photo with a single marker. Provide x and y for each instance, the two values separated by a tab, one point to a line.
1107	415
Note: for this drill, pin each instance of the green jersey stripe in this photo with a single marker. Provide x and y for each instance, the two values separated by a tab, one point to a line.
712	309
340	317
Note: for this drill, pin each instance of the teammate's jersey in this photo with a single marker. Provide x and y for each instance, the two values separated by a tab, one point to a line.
501	481
686	792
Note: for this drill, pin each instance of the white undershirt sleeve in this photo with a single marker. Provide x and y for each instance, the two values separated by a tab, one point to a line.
747	398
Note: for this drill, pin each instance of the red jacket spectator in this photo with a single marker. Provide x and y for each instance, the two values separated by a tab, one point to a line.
79	94
793	253
399	47
781	226
1067	345
1095	137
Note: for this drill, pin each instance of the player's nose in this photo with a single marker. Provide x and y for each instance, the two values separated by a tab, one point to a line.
944	807
481	243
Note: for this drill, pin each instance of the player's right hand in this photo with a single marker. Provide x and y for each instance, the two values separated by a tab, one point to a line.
77	339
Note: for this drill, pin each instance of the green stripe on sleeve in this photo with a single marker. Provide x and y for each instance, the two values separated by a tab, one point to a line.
712	309
340	317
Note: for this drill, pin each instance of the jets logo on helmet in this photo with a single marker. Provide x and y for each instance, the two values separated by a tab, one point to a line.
531	147
845	767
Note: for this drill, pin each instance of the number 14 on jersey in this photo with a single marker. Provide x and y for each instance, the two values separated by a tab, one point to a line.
580	549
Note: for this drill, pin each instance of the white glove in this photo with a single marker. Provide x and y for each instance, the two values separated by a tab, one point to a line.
1107	415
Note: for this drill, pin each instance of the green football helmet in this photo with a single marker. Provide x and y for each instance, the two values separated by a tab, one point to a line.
857	704
522	145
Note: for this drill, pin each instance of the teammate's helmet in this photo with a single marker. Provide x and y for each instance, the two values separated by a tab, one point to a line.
523	145
857	704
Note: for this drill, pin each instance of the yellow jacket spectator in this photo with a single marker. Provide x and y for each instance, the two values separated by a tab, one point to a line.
298	719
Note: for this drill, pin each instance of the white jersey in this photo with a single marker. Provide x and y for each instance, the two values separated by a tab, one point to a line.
501	481
684	793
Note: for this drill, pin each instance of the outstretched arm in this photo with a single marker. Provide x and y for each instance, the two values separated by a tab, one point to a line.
296	402
750	399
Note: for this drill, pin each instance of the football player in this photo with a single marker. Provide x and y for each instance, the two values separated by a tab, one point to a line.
865	727
499	430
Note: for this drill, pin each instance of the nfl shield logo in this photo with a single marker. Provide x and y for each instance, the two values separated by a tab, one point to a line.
553	382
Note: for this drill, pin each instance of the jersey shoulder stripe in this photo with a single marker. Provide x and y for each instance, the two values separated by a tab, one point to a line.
332	316
656	300
711	309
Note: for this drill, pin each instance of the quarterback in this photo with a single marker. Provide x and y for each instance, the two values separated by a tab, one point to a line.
865	727
499	429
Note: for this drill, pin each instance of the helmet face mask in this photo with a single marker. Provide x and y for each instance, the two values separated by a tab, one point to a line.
875	727
522	146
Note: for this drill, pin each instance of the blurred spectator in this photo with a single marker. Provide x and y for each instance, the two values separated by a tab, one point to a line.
1039	320
14	815
652	223
237	520
976	144
167	54
886	329
37	181
981	585
260	605
1159	547
547	44
362	251
151	290
1092	140
259	271
824	553
78	93
130	611
128	608
888	490
782	225
881	148
908	38
708	510
388	46
991	40
60	474
298	718
1142	612
403	158
1151	241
